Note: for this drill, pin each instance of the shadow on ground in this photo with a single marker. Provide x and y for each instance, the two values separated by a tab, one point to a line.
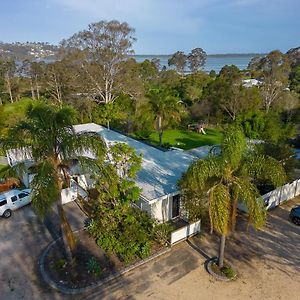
277	244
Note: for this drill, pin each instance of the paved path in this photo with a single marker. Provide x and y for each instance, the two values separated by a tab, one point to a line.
22	238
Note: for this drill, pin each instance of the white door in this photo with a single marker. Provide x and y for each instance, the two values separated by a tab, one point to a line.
15	202
19	200
24	198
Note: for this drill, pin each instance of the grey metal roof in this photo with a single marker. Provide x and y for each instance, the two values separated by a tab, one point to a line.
160	170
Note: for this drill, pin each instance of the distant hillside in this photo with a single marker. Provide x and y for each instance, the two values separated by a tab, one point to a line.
28	50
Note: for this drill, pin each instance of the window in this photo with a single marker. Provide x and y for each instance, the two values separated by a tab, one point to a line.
23	195
14	199
3	202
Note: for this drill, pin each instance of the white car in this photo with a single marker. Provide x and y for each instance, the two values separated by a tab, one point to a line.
12	200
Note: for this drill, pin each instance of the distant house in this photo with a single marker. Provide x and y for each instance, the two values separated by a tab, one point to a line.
248	83
158	176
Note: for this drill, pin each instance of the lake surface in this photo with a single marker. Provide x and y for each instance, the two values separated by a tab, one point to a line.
213	62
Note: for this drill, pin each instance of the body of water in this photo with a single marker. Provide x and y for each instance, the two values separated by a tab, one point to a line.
213	62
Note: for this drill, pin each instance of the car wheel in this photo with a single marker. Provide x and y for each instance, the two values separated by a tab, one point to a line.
296	220
7	213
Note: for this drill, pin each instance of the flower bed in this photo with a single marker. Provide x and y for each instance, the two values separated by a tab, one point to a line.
227	273
91	264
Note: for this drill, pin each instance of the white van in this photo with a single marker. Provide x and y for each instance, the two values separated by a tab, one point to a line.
12	200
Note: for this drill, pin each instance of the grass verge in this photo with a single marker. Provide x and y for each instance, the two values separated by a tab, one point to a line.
188	139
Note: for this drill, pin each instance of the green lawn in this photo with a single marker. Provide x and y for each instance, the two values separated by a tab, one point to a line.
2	166
188	139
11	113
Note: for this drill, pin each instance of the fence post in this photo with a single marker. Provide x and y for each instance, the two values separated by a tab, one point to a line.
280	195
296	186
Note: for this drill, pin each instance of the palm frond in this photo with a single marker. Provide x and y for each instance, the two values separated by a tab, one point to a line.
219	208
198	174
233	147
249	195
13	171
89	165
79	144
264	168
45	188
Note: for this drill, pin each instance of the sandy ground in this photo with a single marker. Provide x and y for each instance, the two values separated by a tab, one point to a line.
268	263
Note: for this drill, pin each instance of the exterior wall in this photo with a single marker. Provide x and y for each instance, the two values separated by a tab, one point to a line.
70	194
161	209
145	206
184	232
26	179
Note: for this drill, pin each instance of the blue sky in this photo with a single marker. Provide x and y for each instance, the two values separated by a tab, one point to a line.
162	26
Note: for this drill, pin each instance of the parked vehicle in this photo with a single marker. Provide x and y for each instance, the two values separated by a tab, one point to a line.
13	200
295	215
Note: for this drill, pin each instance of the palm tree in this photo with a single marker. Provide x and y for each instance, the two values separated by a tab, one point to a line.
220	181
166	109
48	136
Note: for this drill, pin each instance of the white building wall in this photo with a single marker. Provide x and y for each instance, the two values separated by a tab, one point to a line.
162	208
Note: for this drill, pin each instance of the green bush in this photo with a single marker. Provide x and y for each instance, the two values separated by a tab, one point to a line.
91	227
166	145
94	267
129	236
161	233
107	242
143	134
144	250
228	272
59	264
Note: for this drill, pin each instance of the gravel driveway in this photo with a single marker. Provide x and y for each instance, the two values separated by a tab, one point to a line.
267	261
22	238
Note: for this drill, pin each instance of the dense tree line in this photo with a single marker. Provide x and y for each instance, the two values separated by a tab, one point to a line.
97	76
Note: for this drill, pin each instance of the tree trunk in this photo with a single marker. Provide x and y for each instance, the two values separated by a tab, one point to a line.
32	90
8	84
67	234
221	251
37	88
159	129
160	134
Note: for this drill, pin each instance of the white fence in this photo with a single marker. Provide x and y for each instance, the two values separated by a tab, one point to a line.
278	196
282	194
71	194
184	232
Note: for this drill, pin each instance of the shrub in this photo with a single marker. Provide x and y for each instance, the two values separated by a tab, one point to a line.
161	233
94	267
228	272
127	233
143	134
166	145
59	264
144	250
90	225
107	242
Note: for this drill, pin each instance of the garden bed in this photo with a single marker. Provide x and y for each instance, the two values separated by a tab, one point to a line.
91	264
227	273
